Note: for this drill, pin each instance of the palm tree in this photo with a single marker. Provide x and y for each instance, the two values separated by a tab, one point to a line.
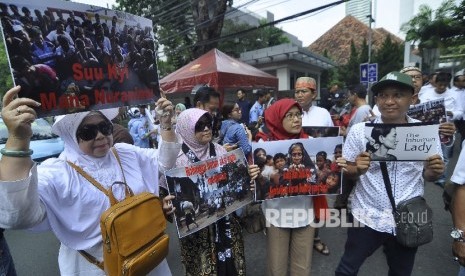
429	30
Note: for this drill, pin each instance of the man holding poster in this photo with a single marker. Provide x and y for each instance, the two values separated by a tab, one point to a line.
370	202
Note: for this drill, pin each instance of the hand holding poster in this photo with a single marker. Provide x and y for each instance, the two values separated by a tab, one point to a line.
301	167
73	57
402	142
208	190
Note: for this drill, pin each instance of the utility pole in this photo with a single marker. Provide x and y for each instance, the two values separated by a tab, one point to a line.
371	20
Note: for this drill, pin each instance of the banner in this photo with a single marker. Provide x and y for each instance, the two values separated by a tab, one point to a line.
301	167
74	57
208	190
402	142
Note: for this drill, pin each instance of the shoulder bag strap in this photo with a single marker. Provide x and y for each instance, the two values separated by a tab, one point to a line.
91	259
88	177
387	184
115	152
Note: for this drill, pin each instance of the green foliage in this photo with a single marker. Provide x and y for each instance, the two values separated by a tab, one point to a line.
184	28
389	57
441	29
260	38
6	81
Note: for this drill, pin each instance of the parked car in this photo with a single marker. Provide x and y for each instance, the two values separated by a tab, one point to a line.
44	143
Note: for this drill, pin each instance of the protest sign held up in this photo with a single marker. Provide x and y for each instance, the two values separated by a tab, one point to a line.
74	57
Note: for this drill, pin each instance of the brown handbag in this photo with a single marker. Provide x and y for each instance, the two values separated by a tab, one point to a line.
133	231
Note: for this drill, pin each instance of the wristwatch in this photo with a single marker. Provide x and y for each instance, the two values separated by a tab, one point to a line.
457	235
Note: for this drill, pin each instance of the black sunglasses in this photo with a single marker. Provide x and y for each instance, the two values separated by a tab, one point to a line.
89	132
203	122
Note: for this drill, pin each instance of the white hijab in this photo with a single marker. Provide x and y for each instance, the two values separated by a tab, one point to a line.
65	126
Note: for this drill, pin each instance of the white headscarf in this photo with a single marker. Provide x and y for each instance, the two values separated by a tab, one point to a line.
66	126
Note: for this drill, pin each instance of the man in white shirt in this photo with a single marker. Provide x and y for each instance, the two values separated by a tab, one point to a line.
454	111
459	88
305	93
370	202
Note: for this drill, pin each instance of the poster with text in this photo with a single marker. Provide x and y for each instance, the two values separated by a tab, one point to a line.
402	142
301	167
74	57
319	131
208	190
429	112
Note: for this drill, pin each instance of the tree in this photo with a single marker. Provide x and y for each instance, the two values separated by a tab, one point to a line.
389	57
186	29
435	31
257	39
349	73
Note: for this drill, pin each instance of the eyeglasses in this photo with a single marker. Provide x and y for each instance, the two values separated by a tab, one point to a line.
296	154
89	132
398	96
203	126
306	90
291	116
416	77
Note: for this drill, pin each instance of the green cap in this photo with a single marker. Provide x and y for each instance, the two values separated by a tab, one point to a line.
393	78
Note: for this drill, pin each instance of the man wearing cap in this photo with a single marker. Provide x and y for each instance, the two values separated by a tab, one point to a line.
305	93
370	203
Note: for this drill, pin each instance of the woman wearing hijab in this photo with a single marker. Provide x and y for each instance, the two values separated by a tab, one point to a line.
55	196
219	248
289	238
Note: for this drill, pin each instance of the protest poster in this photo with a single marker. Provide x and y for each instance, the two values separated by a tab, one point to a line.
429	112
319	131
74	57
303	167
402	142
208	190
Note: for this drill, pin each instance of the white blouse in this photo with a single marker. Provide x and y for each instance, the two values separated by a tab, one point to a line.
56	197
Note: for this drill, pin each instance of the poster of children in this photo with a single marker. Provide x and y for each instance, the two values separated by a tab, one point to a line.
429	112
208	190
299	167
73	57
402	142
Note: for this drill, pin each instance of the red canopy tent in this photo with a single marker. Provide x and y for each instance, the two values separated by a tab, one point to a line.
217	70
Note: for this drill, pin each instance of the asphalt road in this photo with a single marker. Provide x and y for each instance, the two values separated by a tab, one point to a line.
36	254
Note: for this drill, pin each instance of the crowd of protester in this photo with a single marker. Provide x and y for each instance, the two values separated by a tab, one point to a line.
43	49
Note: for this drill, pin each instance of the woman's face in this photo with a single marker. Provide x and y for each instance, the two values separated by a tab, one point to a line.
390	140
101	144
236	113
205	136
297	155
332	180
292	122
261	154
320	162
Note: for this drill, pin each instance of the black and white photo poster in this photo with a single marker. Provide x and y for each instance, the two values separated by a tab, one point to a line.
208	190
402	142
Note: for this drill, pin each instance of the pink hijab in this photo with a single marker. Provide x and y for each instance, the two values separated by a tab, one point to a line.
185	127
